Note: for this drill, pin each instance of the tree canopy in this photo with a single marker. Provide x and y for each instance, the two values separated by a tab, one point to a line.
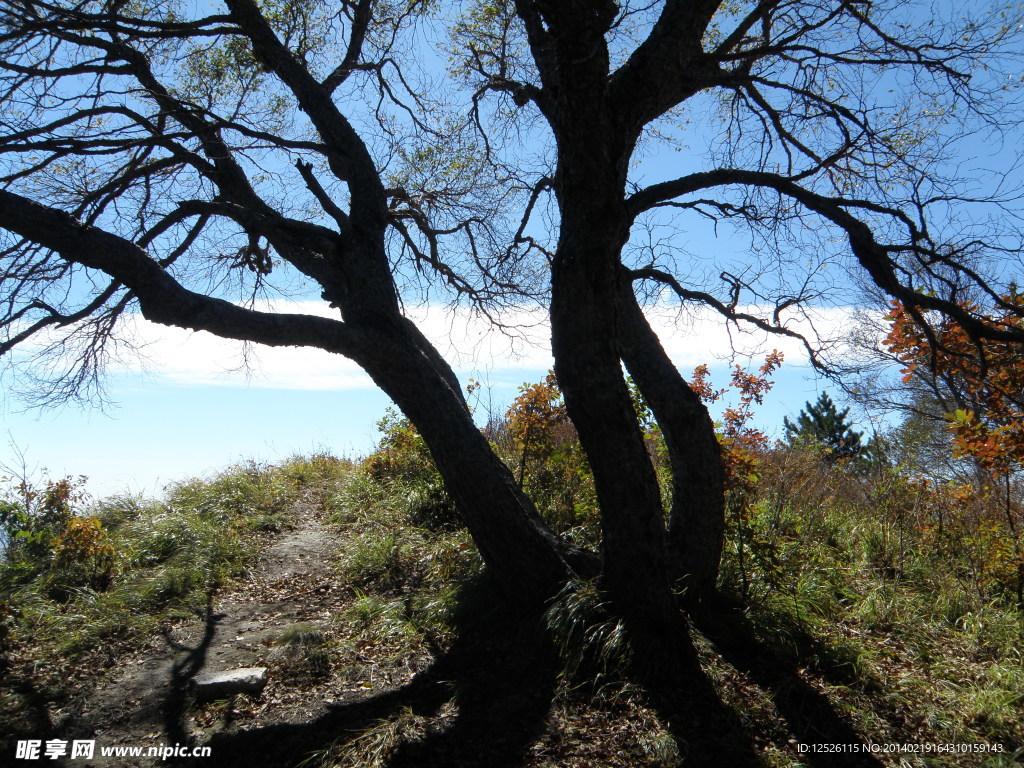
202	164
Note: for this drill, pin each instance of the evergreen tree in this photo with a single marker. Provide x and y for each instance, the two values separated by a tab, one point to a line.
822	423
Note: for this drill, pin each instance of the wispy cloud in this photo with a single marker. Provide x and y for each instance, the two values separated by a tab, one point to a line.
182	357
470	342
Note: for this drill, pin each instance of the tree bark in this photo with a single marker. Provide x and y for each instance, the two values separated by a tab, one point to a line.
526	558
697	519
584	326
594	149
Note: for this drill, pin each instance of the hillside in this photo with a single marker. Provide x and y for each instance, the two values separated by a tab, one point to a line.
845	619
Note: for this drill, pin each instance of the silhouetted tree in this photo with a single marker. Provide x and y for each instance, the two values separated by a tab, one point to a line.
184	162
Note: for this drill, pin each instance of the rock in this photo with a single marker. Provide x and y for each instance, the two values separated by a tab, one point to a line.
220	685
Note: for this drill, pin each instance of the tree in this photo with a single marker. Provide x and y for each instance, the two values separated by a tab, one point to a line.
982	382
919	440
186	167
985	380
822	423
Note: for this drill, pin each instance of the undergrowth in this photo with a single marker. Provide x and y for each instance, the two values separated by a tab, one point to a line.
891	594
82	582
907	626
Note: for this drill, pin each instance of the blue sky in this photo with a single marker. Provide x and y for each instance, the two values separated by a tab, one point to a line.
190	409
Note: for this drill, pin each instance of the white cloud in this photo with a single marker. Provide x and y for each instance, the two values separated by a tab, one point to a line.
700	336
468	341
178	356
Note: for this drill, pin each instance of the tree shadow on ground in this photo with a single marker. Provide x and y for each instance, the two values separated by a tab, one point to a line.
708	732
30	716
182	671
284	745
501	673
506	672
810	716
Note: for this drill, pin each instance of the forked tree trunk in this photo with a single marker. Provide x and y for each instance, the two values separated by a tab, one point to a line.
634	570
584	327
697	520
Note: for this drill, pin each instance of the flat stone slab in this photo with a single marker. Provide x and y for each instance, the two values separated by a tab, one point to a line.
220	685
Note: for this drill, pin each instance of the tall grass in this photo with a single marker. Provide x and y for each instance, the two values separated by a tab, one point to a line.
167	555
901	582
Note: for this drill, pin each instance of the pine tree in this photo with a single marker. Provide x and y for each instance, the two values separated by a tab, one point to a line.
823	424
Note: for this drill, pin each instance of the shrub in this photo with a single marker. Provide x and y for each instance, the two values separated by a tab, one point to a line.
33	519
84	555
402	455
547	458
403	467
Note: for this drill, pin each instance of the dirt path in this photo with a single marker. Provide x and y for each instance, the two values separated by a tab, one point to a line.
145	701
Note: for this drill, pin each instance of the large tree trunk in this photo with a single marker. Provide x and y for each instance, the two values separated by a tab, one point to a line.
525	557
584	326
697	521
590	183
598	401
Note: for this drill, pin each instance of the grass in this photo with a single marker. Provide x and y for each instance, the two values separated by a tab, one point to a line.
373	746
922	649
168	560
591	642
843	577
169	556
910	633
302	651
